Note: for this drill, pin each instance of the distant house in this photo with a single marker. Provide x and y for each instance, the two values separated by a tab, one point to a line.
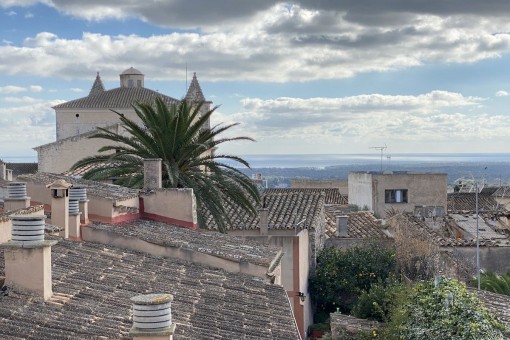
78	119
398	190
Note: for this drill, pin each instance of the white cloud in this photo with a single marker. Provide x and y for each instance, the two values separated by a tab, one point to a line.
276	44
34	121
361	120
24	99
29	15
12	89
11	13
501	93
76	89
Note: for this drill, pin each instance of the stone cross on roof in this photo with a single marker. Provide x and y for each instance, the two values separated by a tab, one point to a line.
97	87
194	91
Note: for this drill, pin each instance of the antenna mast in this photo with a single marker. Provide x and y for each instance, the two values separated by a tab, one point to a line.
380	148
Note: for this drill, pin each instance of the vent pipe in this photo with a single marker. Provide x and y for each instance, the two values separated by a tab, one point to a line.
152	317
28	229
264	221
77	193
16	197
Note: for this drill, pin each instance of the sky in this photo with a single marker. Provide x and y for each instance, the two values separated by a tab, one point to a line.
300	77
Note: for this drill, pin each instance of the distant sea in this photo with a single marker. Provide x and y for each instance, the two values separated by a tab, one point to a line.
389	161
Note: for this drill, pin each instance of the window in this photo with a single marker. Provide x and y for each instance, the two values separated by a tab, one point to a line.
395	196
130	82
138	83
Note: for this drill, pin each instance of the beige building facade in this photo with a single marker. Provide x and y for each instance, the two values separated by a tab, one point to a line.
78	119
399	190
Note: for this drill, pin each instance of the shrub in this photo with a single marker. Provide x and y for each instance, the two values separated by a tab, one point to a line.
342	275
447	311
377	303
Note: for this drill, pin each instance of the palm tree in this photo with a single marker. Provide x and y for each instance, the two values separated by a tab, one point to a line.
177	133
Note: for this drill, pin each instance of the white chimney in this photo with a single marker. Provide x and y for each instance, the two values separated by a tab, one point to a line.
79	194
74	220
152	174
16	196
28	256
60	205
264	221
341	226
152	317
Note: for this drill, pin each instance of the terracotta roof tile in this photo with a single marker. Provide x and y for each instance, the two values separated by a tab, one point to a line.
97	189
331	195
360	224
466	201
92	285
121	97
213	243
288	209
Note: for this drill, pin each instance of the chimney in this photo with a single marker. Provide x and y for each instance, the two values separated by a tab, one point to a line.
152	175
60	205
74	220
77	193
28	256
264	220
16	196
152	317
341	226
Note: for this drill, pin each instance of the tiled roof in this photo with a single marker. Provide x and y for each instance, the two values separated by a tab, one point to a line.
92	285
97	189
212	243
195	93
24	211
332	195
466	201
118	98
361	224
503	191
22	168
440	236
287	210
498	304
112	127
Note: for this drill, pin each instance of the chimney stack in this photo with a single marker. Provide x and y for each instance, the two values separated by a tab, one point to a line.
74	220
152	174
16	196
152	317
264	220
60	205
77	193
28	256
341	226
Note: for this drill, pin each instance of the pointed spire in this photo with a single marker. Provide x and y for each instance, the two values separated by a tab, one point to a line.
194	91
97	87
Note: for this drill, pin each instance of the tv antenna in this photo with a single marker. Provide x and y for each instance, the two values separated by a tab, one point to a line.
380	148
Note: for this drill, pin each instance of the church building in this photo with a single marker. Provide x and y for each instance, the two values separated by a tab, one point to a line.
78	119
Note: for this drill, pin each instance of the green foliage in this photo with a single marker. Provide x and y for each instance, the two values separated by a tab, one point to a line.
178	134
494	283
378	302
447	311
341	276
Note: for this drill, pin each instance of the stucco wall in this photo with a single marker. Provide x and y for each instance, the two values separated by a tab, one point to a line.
425	189
68	125
176	206
360	190
492	259
58	157
5	230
